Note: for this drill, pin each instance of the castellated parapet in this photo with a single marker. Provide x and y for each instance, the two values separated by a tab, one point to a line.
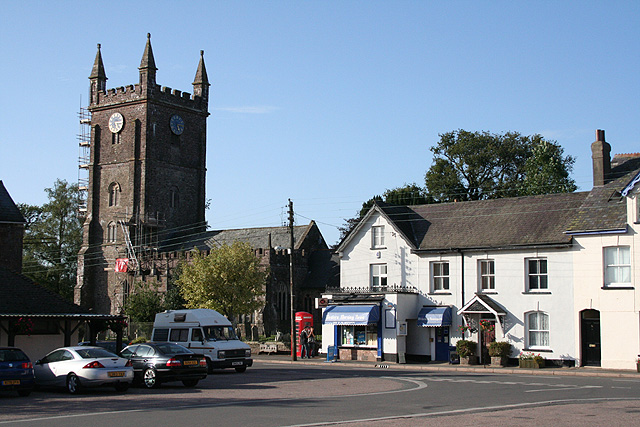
163	94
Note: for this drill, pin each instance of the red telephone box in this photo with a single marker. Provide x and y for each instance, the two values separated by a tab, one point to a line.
302	319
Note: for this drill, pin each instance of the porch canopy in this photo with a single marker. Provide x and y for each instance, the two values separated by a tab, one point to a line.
356	315
434	317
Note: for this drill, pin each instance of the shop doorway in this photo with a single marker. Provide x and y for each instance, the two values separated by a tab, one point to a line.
442	344
590	332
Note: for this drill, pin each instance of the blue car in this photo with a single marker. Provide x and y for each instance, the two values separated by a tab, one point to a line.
16	371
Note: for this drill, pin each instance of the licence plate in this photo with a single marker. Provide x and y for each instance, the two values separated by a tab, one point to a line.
11	382
116	374
236	363
190	362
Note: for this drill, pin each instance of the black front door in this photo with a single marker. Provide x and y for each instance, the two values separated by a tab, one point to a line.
590	329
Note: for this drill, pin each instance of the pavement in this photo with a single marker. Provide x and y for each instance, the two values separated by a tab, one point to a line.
587	371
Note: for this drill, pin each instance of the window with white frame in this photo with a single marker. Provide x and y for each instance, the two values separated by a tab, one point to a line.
537	276
537	330
486	267
378	275
440	275
617	263
377	236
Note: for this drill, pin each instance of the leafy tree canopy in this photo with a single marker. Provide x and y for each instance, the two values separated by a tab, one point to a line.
53	237
481	165
229	280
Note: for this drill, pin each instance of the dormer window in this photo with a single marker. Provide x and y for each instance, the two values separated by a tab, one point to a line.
377	236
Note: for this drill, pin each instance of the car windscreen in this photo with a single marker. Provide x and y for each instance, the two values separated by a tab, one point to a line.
170	348
213	333
93	353
12	355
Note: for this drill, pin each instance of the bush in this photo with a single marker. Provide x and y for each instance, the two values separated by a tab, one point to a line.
466	348
499	349
139	340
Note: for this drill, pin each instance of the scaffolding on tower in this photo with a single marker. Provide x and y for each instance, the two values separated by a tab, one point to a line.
84	158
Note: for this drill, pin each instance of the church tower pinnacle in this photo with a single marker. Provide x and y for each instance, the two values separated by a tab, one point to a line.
201	81
98	78
148	68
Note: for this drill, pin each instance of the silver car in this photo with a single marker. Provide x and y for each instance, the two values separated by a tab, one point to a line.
83	366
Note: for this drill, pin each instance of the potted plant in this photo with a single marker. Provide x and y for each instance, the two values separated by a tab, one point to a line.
530	360
467	351
499	352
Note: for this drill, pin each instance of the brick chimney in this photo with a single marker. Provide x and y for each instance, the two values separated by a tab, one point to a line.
601	156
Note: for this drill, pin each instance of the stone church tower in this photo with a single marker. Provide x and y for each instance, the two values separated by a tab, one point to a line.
146	177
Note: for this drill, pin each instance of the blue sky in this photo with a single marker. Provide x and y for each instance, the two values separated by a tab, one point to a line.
324	102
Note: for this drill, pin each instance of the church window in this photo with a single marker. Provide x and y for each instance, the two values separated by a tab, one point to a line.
114	194
111	232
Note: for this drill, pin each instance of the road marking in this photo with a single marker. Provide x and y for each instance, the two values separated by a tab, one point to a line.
418	386
564	388
467	410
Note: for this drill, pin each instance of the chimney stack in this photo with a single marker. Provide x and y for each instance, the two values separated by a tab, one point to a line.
601	156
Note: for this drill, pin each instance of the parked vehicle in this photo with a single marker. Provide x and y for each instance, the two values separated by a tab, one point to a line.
156	363
204	332
83	366
16	371
109	345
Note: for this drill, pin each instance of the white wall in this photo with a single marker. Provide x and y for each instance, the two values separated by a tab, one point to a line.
619	308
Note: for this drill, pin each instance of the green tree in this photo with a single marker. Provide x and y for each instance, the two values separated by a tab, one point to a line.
547	170
52	239
229	280
144	302
409	194
477	165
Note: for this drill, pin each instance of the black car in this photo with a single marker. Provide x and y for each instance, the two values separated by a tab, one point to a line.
16	371
155	363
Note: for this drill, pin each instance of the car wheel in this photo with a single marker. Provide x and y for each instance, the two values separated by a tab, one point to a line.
73	383
122	387
241	369
190	383
150	378
209	366
24	393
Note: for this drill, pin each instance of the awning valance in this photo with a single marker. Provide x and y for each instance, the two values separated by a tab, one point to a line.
434	317
351	315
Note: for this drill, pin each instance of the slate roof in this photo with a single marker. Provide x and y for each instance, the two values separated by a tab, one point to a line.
8	210
256	237
20	295
497	223
605	209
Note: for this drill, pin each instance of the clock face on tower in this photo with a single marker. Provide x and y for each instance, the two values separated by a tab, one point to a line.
116	122
177	124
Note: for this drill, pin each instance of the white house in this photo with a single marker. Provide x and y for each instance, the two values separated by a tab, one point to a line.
511	269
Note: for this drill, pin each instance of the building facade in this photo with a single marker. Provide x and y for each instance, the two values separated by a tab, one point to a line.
553	275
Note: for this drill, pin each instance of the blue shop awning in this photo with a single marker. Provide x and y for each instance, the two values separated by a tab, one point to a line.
434	316
351	315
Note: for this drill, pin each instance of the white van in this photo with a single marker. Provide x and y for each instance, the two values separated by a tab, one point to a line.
205	332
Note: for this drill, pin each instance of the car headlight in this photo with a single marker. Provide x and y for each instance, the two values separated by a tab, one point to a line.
221	354
247	352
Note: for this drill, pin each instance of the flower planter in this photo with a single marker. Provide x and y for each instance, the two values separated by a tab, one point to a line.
469	360
530	364
499	361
